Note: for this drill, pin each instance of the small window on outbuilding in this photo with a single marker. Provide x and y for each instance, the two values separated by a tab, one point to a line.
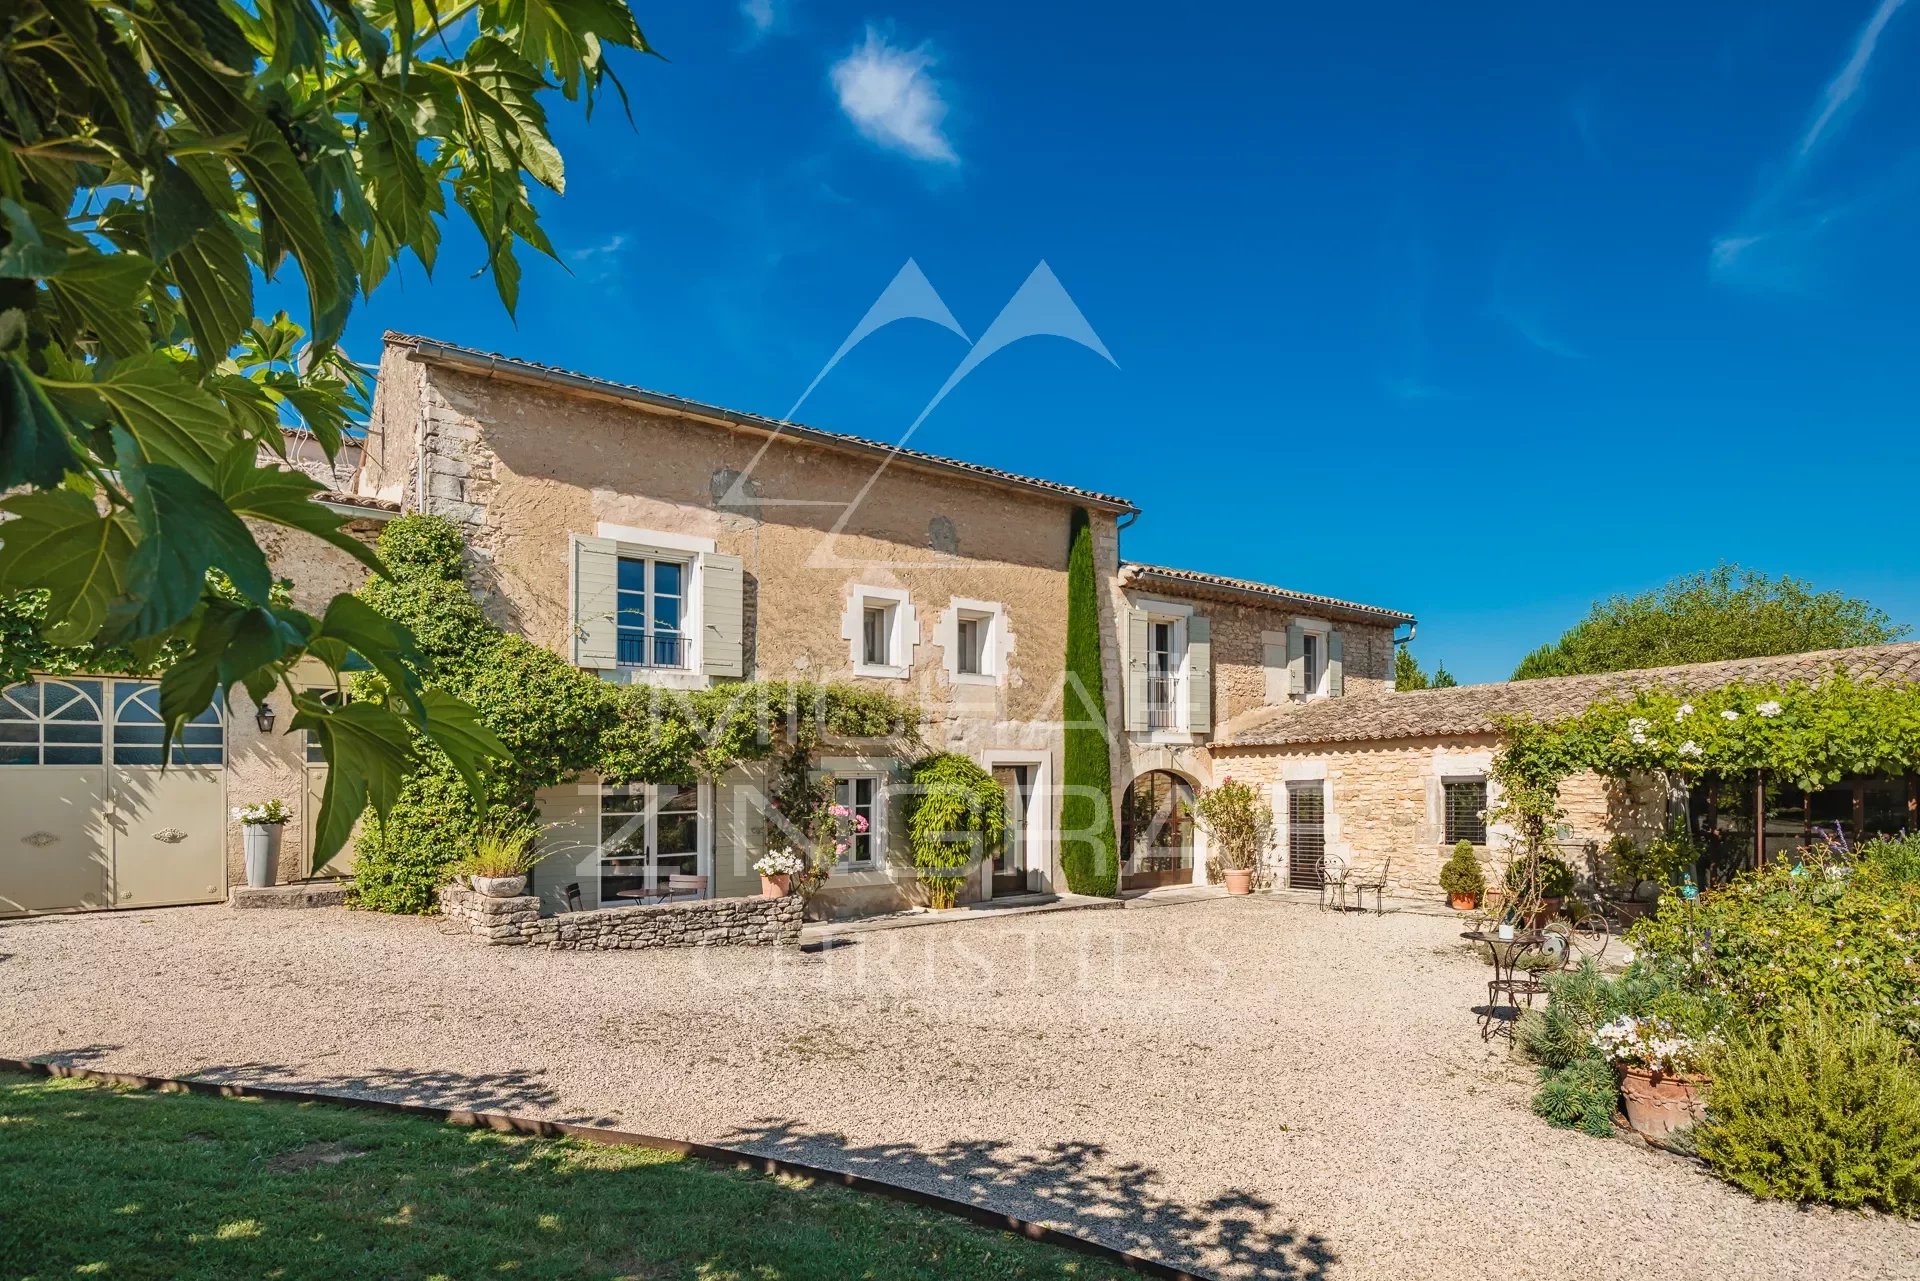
1465	803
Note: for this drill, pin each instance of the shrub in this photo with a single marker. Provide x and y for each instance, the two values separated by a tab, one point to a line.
1818	931
1579	1096
1089	847
1238	819
1824	1108
1892	860
1554	879
1461	873
956	813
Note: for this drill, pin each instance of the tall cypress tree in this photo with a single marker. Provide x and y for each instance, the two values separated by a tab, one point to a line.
1089	854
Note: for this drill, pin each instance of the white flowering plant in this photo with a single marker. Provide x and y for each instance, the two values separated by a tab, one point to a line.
781	862
1650	1043
273	813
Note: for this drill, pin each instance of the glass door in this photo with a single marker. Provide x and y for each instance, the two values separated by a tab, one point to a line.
648	832
1010	860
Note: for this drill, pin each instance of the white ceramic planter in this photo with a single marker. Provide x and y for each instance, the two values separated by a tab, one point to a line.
262	840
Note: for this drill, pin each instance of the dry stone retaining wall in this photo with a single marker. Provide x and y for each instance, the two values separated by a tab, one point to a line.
719	922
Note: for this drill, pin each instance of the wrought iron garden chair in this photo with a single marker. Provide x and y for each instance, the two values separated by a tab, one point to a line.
1375	881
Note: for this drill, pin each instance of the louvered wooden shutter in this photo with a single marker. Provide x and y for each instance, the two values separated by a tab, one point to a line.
1199	675
1336	672
1137	646
723	615
596	576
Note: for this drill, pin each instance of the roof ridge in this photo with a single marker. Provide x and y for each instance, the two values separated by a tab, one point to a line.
764	422
1202	577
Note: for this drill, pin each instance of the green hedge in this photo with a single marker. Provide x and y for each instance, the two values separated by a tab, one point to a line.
1089	852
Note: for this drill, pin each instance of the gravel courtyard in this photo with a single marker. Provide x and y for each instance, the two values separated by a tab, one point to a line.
1245	1085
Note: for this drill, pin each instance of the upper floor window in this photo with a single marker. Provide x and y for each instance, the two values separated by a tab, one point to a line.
1313	662
880	630
1163	674
970	643
974	640
650	612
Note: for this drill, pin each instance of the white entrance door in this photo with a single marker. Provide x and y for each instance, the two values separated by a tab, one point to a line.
88	818
650	831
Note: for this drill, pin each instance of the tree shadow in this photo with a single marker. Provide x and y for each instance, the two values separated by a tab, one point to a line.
469	1091
1076	1186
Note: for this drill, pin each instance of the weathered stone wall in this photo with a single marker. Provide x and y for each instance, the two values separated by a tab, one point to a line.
1239	653
714	922
1384	804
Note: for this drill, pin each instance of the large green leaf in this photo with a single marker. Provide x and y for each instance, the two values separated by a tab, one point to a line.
216	286
176	209
59	541
174	420
26	255
185	530
369	751
456	729
102	292
286	498
286	204
387	645
35	448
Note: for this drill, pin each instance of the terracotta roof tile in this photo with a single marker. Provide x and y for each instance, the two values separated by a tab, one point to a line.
1478	709
1217	584
452	353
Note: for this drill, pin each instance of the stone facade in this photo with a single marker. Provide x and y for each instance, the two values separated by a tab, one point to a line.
1384	805
719	922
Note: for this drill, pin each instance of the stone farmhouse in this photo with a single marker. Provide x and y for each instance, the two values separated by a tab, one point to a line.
651	538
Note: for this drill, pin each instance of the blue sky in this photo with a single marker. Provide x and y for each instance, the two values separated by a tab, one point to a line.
1475	311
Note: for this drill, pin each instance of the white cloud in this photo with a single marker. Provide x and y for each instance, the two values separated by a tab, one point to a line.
760	15
1843	86
606	249
1782	229
891	98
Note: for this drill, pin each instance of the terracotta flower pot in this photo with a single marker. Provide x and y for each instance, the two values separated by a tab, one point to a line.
1239	880
1549	908
1463	902
779	885
1658	1104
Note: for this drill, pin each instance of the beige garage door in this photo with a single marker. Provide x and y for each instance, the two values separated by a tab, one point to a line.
88	816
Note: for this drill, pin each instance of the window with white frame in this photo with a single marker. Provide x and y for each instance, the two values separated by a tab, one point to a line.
651	612
975	641
1313	661
879	627
1166	686
970	633
862	795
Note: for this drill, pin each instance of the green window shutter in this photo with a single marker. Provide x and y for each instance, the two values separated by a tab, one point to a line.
723	614
1336	675
1137	645
1296	659
1273	663
1199	675
596	575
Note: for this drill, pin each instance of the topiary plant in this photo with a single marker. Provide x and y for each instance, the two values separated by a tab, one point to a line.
956	814
1460	875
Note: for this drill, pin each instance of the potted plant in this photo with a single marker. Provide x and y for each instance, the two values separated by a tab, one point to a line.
260	826
1659	1069
1239	822
956	815
1537	885
501	861
777	869
1462	879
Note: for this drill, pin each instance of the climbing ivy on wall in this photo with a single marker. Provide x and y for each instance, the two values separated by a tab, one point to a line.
558	721
1089	852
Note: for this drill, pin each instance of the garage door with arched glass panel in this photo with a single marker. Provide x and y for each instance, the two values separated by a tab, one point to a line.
91	817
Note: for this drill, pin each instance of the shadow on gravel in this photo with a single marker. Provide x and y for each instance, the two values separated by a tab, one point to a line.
476	1092
1075	1186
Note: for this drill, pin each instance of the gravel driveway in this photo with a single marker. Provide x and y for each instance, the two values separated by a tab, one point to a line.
1249	1085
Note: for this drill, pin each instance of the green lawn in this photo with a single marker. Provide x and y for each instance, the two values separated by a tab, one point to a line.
101	1182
